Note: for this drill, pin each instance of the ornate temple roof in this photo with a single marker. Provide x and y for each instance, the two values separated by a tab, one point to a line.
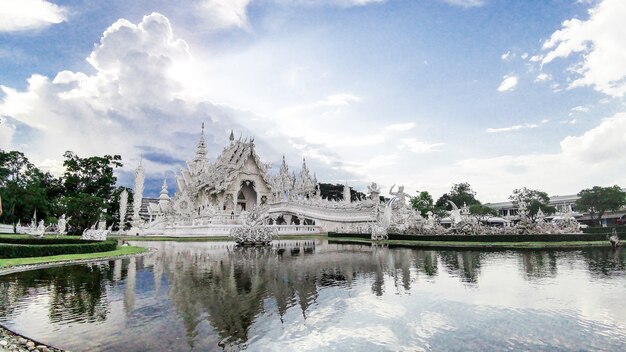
217	177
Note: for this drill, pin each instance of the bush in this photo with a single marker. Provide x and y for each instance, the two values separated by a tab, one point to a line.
621	230
47	247
43	241
490	238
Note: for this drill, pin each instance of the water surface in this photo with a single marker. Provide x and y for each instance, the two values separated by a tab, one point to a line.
312	295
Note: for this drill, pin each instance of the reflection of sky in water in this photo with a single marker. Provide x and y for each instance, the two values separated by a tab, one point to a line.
310	295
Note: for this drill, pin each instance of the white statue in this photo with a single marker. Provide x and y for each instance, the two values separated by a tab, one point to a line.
374	191
62	225
123	208
138	193
399	196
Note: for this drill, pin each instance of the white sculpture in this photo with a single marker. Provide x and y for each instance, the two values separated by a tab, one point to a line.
34	229
123	209
253	229
374	191
98	231
137	198
210	195
400	196
61	229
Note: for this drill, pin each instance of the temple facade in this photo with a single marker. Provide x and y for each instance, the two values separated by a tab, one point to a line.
211	196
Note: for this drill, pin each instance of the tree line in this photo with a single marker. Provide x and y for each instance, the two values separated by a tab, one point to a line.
85	191
596	201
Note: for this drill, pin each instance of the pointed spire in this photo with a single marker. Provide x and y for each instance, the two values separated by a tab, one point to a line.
164	194
232	137
201	149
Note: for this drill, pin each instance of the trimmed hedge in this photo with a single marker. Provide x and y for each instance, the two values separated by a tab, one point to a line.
45	249
488	238
621	230
43	241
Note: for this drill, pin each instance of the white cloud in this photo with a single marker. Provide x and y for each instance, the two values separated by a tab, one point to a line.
542	77
508	82
600	42
121	108
568	122
370	166
234	13
513	128
21	15
506	56
579	109
341	99
465	3
6	133
602	143
225	13
400	127
419	147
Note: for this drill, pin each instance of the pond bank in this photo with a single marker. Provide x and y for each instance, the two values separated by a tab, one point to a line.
8	266
11	341
474	245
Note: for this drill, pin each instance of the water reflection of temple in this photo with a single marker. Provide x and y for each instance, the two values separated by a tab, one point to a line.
215	290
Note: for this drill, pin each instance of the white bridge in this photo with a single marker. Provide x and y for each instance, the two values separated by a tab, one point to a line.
209	230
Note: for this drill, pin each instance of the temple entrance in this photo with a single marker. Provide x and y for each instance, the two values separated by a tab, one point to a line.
247	196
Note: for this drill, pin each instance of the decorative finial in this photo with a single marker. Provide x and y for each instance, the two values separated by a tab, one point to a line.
232	136
201	148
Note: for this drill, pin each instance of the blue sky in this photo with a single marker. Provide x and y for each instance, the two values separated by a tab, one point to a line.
501	94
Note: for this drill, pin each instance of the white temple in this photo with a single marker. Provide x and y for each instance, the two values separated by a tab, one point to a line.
210	197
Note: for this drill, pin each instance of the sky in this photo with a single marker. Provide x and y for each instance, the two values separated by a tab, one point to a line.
502	94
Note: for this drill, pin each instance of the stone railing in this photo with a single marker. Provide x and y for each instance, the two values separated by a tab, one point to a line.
224	230
347	215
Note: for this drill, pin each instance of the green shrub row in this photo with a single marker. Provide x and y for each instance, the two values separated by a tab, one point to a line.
488	238
44	250
43	241
621	230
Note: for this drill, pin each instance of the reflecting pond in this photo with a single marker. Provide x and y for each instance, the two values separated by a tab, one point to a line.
315	295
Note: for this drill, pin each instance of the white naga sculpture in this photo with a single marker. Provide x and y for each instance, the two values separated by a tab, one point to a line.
98	231
35	229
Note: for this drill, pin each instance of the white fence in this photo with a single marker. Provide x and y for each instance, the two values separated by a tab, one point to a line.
4	228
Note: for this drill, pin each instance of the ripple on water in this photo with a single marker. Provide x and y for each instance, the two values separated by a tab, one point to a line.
308	295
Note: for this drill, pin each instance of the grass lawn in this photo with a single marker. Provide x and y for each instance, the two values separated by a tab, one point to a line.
497	245
59	258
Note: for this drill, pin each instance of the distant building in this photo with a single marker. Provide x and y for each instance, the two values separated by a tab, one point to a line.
508	210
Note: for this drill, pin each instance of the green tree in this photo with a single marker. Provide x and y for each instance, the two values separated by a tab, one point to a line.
423	202
534	199
598	200
24	189
89	188
461	193
482	212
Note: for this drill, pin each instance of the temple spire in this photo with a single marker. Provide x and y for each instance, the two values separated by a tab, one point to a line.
232	137
201	149
164	197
